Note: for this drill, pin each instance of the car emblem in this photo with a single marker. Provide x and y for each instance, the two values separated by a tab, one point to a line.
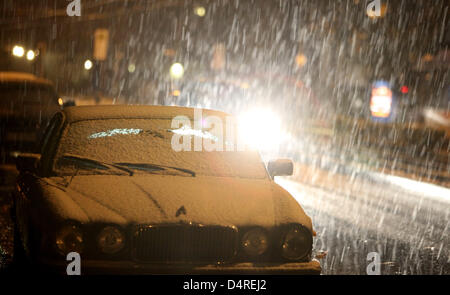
180	211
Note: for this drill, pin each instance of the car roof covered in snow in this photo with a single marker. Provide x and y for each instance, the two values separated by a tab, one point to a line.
82	113
7	77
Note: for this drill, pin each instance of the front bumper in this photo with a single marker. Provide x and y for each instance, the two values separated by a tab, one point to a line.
96	267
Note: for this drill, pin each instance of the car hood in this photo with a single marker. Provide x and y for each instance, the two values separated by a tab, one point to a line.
158	199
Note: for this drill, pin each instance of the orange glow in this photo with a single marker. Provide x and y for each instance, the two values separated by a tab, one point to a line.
381	91
381	102
301	60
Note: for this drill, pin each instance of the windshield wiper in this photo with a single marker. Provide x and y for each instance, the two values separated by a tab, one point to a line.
154	167
106	165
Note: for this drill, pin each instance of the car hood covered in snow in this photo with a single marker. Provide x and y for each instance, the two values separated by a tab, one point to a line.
157	199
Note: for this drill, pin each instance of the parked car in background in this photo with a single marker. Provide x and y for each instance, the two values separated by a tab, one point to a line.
110	186
27	103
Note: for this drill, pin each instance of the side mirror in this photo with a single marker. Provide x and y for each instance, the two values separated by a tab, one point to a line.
27	162
280	167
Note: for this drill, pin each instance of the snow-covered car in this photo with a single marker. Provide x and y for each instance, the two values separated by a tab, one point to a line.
110	185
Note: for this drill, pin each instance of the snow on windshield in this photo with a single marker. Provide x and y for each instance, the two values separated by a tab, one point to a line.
148	141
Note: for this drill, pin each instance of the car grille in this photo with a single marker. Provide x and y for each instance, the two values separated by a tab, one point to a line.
184	243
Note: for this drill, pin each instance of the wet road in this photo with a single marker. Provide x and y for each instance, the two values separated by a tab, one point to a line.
405	221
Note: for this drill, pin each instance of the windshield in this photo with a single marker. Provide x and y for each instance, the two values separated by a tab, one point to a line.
145	145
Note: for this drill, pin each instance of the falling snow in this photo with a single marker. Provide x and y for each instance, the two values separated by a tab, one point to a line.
368	184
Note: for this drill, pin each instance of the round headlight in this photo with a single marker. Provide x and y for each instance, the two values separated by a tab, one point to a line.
69	239
111	240
255	242
297	243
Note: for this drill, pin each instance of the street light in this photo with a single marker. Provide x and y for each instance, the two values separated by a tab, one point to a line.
18	51
176	71
31	55
200	11
88	64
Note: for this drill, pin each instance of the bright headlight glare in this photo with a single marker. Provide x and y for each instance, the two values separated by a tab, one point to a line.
255	242
111	240
69	239
260	129
297	243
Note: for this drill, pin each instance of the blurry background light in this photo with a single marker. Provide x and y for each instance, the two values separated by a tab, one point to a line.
88	64
18	51
245	85
381	101
200	11
301	60
31	55
169	52
131	68
176	71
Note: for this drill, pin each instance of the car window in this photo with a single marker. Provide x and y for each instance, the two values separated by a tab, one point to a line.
149	141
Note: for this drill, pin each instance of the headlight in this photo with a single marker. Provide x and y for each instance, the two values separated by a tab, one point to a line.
260	129
111	240
69	239
297	243
255	242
